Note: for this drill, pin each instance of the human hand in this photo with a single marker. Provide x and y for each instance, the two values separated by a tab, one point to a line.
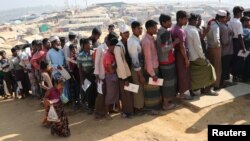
155	78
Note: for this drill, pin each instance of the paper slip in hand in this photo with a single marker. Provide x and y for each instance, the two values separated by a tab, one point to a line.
70	60
64	74
86	85
28	51
241	54
19	85
132	88
99	87
159	82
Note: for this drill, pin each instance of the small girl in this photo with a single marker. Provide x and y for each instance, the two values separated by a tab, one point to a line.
52	97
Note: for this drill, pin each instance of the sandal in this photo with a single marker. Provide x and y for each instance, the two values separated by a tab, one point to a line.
186	97
154	113
169	107
108	117
211	93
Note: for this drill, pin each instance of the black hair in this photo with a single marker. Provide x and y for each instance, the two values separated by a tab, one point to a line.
2	52
181	14
14	49
228	13
198	16
164	18
72	37
113	41
96	31
244	19
135	24
111	26
192	17
237	9
34	43
62	39
43	65
150	23
84	41
58	80
45	41
112	35
72	46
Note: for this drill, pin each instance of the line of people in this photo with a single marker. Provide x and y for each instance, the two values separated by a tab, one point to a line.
186	56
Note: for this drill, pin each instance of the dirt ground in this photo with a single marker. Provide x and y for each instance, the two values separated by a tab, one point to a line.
21	121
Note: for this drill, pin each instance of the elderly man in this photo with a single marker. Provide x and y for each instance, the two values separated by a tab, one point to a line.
55	56
214	45
124	72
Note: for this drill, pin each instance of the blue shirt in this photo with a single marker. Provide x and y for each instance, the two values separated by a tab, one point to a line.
55	58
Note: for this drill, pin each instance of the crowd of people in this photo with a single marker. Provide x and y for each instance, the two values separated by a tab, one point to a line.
187	56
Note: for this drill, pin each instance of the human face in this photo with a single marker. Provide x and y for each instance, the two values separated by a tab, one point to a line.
87	47
167	24
125	35
34	49
14	53
57	43
111	29
223	20
240	14
39	47
183	21
137	31
199	22
153	30
47	45
60	86
111	49
97	36
4	55
73	51
246	24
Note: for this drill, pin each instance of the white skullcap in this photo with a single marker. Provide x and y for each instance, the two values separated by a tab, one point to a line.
124	28
222	13
54	38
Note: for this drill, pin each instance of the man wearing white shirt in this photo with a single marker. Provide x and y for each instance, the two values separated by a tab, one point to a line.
202	72
214	45
135	52
238	43
66	51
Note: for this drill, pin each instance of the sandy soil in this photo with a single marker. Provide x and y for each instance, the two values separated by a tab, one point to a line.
20	120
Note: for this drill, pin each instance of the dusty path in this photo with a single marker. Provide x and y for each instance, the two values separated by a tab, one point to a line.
20	120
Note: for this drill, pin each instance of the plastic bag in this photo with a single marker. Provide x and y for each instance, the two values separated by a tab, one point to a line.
52	115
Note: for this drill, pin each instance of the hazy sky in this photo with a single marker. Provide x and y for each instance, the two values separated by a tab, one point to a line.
10	4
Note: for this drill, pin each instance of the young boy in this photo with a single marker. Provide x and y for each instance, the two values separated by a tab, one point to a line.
5	68
166	57
74	85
